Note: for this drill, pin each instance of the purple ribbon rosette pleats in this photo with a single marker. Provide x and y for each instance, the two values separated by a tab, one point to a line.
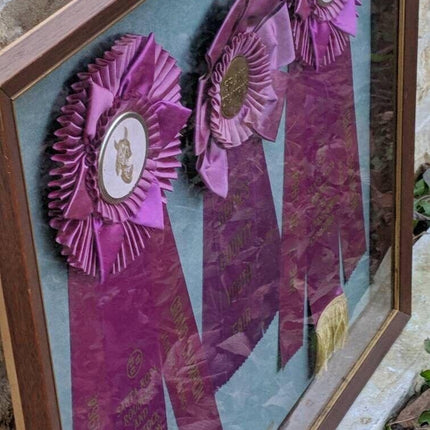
323	221
240	102
131	322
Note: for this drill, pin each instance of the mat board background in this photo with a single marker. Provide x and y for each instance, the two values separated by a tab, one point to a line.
174	25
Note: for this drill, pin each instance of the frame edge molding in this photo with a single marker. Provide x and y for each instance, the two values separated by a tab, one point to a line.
21	287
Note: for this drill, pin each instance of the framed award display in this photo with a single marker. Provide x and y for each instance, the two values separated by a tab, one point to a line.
206	210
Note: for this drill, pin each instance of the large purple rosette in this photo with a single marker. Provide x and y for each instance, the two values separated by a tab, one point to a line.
117	152
323	220
240	102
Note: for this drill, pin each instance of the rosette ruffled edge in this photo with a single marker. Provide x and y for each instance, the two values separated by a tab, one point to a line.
231	132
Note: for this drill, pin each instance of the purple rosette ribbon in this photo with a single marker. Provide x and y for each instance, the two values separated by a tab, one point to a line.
254	41
100	236
322	29
240	102
117	149
323	221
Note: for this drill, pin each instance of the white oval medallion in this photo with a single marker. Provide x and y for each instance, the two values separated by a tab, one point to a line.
122	157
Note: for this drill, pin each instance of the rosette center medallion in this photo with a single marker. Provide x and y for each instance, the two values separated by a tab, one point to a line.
122	157
234	87
325	2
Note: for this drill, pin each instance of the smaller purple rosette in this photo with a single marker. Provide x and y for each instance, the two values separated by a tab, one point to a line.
254	42
321	29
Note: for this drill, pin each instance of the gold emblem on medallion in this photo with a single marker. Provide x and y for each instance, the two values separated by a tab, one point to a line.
124	166
234	87
122	157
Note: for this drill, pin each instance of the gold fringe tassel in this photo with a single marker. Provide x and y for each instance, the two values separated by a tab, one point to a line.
332	331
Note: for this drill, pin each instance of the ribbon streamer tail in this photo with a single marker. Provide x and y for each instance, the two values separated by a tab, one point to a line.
240	273
90	403
184	363
323	199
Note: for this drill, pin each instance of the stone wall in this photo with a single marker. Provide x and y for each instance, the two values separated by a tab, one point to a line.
6	412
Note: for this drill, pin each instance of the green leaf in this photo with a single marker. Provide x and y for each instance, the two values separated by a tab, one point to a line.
420	188
378	58
426	375
427	345
424	418
425	204
426	177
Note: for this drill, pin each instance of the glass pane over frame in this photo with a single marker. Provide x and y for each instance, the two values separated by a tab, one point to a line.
269	277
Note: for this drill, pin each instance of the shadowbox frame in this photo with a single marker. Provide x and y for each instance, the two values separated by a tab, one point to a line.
22	320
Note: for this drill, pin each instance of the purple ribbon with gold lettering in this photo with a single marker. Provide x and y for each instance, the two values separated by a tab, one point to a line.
323	210
240	102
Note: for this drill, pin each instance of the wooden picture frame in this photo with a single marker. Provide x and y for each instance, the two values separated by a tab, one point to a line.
22	318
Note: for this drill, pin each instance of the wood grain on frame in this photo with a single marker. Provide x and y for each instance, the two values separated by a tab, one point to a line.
406	152
21	287
46	46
